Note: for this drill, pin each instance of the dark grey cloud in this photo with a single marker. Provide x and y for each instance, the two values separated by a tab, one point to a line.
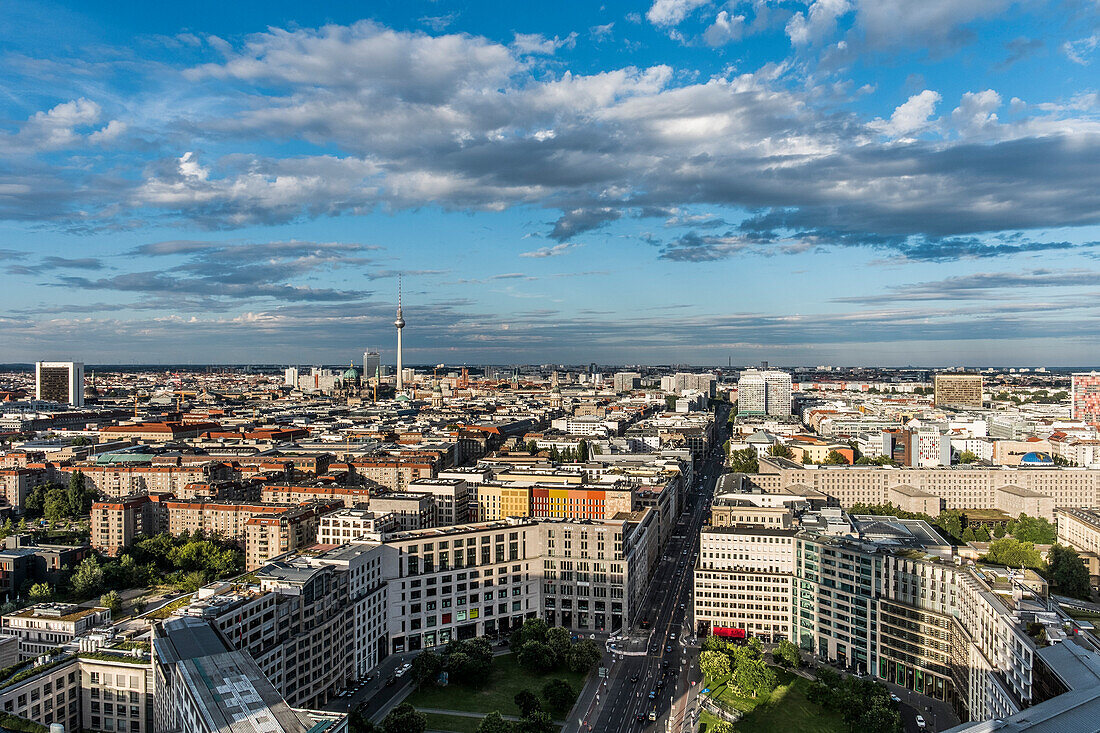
577	221
47	264
1019	49
979	286
235	271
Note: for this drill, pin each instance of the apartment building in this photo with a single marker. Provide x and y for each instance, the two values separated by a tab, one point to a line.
410	511
116	524
42	628
395	473
16	483
348	525
958	390
117	481
452	498
266	537
279	493
498	501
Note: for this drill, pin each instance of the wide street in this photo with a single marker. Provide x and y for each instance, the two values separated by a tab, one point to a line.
659	683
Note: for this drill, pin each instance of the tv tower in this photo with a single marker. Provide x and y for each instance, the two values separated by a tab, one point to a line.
400	324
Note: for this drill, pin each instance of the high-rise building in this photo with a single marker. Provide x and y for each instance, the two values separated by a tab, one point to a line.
60	381
290	377
1086	396
372	365
764	393
958	390
627	381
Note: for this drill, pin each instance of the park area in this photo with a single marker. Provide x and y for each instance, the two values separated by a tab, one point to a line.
785	708
506	679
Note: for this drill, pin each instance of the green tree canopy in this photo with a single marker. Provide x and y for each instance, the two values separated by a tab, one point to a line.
1014	553
744	461
1068	572
494	723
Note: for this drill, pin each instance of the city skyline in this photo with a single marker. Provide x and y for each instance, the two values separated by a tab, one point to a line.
877	183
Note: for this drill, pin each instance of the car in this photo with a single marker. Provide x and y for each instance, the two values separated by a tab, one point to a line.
660	682
668	648
634	678
653	713
672	636
894	698
664	664
920	722
639	718
402	670
682	606
652	694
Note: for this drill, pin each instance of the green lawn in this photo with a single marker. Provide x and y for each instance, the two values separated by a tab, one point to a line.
507	678
785	709
452	723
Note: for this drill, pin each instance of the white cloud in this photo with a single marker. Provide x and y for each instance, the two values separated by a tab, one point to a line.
554	251
672	12
537	44
1079	50
888	23
818	23
912	116
724	29
976	113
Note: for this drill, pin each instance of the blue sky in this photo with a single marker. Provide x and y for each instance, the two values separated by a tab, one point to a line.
830	181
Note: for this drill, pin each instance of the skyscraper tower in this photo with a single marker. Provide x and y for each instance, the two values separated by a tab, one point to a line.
400	324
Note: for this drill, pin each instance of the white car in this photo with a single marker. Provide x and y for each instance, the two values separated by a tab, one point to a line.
402	670
920	722
894	698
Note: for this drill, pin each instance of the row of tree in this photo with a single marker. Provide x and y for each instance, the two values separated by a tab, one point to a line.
741	667
542	649
56	501
864	704
187	561
568	455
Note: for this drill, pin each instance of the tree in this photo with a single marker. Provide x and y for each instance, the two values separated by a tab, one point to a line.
744	461
835	458
532	447
1033	529
533	629
40	593
358	722
537	722
559	695
112	601
1013	553
755	647
192	581
527	702
537	656
583	656
404	719
88	578
140	606
787	654
951	522
982	534
1068	572
753	677
779	450
493	723
558	640
715	665
967	457
582	451
968	535
426	666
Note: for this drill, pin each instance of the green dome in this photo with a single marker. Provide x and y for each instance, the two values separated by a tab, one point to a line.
351	373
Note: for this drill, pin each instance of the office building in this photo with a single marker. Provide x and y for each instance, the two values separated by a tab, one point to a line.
202	685
764	393
60	381
958	390
41	629
626	381
372	366
1085	396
